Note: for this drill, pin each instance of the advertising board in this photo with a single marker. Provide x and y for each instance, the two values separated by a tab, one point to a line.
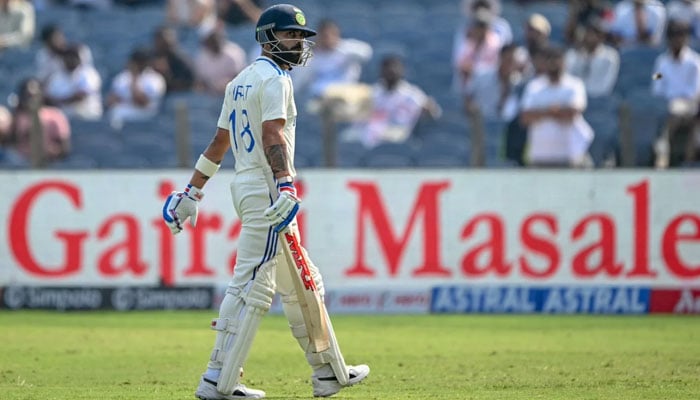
435	232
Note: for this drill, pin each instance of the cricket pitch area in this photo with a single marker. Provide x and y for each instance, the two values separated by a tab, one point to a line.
160	356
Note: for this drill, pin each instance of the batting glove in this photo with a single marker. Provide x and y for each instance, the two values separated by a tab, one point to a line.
282	212
181	205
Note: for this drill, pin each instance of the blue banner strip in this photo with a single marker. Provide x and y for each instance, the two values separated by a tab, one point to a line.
538	299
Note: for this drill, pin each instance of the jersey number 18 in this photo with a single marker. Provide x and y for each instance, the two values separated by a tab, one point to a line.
244	131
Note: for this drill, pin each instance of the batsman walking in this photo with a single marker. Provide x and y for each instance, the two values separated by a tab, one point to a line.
257	122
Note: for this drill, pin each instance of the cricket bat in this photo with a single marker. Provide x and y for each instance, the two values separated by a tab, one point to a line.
312	307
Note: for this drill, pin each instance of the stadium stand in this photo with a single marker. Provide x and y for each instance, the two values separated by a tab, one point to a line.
419	30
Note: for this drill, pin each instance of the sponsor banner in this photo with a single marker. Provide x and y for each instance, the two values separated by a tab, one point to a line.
364	229
538	299
124	298
676	301
368	301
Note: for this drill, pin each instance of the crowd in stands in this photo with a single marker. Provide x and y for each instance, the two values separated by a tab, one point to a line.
528	83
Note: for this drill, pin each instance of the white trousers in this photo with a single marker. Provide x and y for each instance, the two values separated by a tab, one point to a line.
253	191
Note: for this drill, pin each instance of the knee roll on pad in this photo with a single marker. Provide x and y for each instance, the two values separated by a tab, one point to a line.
260	296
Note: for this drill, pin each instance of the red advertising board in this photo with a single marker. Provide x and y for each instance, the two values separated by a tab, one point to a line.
675	301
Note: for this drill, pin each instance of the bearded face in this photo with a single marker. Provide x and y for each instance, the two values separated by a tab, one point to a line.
290	47
291	55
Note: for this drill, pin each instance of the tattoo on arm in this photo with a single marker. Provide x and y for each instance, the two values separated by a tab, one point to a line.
276	155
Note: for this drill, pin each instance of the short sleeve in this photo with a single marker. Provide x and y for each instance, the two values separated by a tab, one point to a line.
223	122
579	100
274	98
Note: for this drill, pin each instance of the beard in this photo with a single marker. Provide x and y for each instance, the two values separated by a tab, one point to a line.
291	56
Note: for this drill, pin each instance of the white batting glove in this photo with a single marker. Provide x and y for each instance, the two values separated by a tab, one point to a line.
282	212
181	205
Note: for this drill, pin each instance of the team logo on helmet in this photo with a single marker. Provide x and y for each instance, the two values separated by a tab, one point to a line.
301	19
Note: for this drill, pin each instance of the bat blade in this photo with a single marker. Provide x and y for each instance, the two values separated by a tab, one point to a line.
312	307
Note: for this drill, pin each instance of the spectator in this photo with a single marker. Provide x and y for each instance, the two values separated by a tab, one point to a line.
16	23
537	33
136	92
688	12
171	61
594	62
218	61
76	88
679	85
396	107
236	12
638	22
53	125
499	25
336	60
479	53
552	109
581	13
199	15
49	57
495	93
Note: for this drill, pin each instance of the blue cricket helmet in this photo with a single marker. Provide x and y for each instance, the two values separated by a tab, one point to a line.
281	17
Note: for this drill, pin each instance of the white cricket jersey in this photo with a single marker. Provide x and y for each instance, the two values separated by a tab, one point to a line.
261	92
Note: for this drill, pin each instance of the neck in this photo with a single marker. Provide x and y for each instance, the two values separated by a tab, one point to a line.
590	48
677	53
390	86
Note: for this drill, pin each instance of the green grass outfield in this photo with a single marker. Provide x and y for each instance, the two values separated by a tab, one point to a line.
160	355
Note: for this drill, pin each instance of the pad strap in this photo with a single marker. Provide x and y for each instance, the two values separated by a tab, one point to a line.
224	324
206	166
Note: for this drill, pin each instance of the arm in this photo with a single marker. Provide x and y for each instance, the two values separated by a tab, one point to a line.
282	212
138	96
201	11
57	129
561	114
531	116
215	152
275	147
180	206
691	88
432	108
79	95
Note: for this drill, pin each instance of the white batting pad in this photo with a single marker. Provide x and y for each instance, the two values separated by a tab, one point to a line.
238	322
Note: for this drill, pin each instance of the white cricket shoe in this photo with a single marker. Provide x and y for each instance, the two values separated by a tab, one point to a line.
328	386
207	391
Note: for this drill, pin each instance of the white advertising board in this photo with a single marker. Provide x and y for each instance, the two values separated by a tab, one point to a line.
364	229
